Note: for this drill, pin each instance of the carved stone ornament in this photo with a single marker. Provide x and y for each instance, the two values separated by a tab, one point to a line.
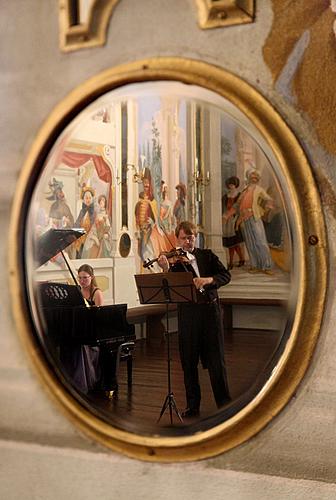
84	25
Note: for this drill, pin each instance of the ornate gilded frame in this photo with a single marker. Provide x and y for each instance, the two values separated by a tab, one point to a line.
90	34
311	248
220	13
211	14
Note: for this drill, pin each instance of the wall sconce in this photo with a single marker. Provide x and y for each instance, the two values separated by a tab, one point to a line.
137	176
198	179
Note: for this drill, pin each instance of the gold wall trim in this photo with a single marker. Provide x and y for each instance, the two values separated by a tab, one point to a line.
90	34
311	246
215	14
93	33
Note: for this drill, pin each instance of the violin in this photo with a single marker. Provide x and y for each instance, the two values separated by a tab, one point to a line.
177	254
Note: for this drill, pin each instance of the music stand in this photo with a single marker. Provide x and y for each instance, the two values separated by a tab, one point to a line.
166	288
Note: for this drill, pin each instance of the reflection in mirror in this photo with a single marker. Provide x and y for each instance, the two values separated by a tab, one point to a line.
117	182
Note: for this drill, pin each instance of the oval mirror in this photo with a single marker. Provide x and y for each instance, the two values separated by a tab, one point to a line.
117	167
125	245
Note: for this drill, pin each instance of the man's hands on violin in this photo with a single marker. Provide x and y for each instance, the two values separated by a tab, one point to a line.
175	255
163	263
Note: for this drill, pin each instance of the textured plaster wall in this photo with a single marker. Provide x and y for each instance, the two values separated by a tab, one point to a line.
52	457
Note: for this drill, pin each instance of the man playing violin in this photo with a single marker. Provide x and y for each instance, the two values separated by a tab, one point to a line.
200	324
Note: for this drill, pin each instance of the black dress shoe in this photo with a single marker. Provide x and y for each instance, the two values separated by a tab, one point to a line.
190	412
111	392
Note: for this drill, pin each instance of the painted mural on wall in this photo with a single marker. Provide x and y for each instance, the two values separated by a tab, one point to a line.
179	148
88	210
162	194
255	234
78	193
153	215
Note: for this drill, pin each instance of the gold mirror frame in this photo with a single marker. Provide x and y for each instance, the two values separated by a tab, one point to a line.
311	245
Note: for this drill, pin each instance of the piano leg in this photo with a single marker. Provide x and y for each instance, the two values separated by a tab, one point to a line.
108	365
129	371
125	351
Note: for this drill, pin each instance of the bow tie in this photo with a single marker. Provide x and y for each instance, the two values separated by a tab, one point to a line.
191	256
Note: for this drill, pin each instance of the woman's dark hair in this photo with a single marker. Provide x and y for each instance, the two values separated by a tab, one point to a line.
88	269
182	188
232	180
102	197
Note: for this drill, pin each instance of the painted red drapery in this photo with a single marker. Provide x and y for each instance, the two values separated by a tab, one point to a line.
76	160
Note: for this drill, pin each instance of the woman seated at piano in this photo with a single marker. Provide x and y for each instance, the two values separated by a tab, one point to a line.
82	362
97	364
88	284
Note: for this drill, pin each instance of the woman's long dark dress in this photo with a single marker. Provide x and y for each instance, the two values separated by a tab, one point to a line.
81	362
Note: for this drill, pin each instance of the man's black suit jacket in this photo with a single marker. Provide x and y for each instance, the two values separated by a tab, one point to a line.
208	265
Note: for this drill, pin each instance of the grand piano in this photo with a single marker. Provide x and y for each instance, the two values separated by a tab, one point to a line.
73	327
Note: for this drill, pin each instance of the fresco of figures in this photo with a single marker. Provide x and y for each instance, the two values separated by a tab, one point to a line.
255	233
182	160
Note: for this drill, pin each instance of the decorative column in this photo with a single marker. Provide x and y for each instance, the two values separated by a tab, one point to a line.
169	129
212	181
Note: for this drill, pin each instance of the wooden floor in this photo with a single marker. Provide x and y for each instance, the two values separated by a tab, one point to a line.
137	408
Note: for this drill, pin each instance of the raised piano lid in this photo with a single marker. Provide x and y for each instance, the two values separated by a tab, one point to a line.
53	242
